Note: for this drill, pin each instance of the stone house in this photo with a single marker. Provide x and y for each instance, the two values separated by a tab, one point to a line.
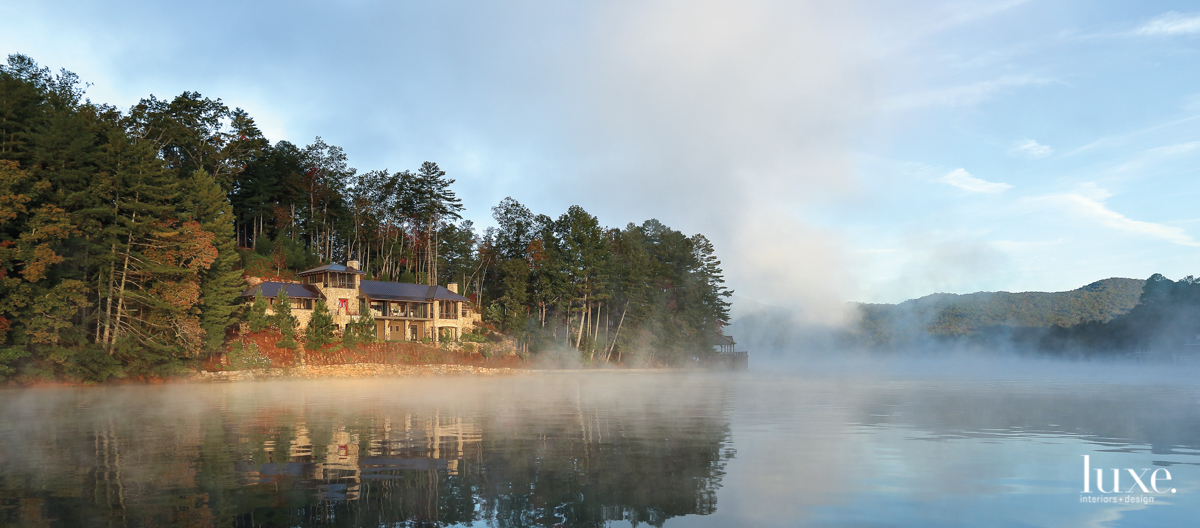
402	311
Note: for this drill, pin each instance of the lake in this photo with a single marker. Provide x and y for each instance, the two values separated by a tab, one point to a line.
604	449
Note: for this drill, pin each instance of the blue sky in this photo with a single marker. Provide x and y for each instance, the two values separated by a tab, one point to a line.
833	151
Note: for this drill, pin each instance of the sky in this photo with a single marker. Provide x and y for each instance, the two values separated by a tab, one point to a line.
832	151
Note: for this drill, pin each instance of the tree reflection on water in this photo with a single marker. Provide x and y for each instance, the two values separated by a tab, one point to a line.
114	457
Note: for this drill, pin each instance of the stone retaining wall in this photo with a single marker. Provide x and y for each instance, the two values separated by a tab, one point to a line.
358	370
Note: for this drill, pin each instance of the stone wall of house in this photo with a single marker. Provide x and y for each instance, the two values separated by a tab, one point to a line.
341	317
461	325
302	316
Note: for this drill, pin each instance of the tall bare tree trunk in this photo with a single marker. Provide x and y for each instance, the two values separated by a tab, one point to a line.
579	335
596	323
121	298
112	271
617	334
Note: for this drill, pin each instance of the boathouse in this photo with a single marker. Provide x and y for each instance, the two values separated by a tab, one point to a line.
726	358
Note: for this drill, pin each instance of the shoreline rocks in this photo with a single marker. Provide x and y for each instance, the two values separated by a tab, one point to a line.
350	371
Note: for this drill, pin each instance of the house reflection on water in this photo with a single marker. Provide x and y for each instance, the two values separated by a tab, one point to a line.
259	456
587	468
336	470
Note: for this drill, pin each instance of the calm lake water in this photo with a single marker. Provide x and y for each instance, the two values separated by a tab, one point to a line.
605	449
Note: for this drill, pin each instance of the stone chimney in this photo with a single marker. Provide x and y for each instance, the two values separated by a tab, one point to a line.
352	264
453	287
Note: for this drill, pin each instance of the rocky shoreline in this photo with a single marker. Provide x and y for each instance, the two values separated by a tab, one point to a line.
350	371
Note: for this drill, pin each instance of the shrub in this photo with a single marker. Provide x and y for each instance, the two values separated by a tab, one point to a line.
243	357
474	338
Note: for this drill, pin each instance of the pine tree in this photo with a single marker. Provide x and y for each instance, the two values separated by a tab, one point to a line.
514	285
350	335
320	327
257	315
361	330
366	327
140	194
284	320
434	203
220	284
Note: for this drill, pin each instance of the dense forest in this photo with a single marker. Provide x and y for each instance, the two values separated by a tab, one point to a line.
126	237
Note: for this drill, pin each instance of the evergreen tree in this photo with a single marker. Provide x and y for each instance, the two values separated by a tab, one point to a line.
324	183
220	284
459	259
515	228
584	251
434	203
367	329
350	335
514	296
320	327
257	315
360	330
284	320
549	284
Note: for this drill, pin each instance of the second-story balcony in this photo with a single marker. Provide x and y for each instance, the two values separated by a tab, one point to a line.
400	310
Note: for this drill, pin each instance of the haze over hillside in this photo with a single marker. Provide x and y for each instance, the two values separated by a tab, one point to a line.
948	314
761	327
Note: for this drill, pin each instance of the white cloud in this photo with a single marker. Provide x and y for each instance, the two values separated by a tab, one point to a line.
1178	148
963	180
1169	24
1030	149
1088	204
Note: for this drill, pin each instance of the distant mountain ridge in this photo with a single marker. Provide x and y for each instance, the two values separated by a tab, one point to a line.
947	314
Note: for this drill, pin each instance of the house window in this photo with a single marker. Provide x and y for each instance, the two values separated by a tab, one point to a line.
335	280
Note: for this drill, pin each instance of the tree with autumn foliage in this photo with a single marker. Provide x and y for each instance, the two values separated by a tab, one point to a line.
113	261
125	237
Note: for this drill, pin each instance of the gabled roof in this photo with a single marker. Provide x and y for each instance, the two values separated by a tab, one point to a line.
725	340
295	291
402	291
338	268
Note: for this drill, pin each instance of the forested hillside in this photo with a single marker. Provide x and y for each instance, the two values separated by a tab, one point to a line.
947	315
1164	326
126	237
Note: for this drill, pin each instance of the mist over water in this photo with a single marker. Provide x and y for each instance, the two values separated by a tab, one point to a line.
604	449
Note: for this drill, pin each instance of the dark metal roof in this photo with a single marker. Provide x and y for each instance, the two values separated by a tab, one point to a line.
295	291
402	291
338	268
